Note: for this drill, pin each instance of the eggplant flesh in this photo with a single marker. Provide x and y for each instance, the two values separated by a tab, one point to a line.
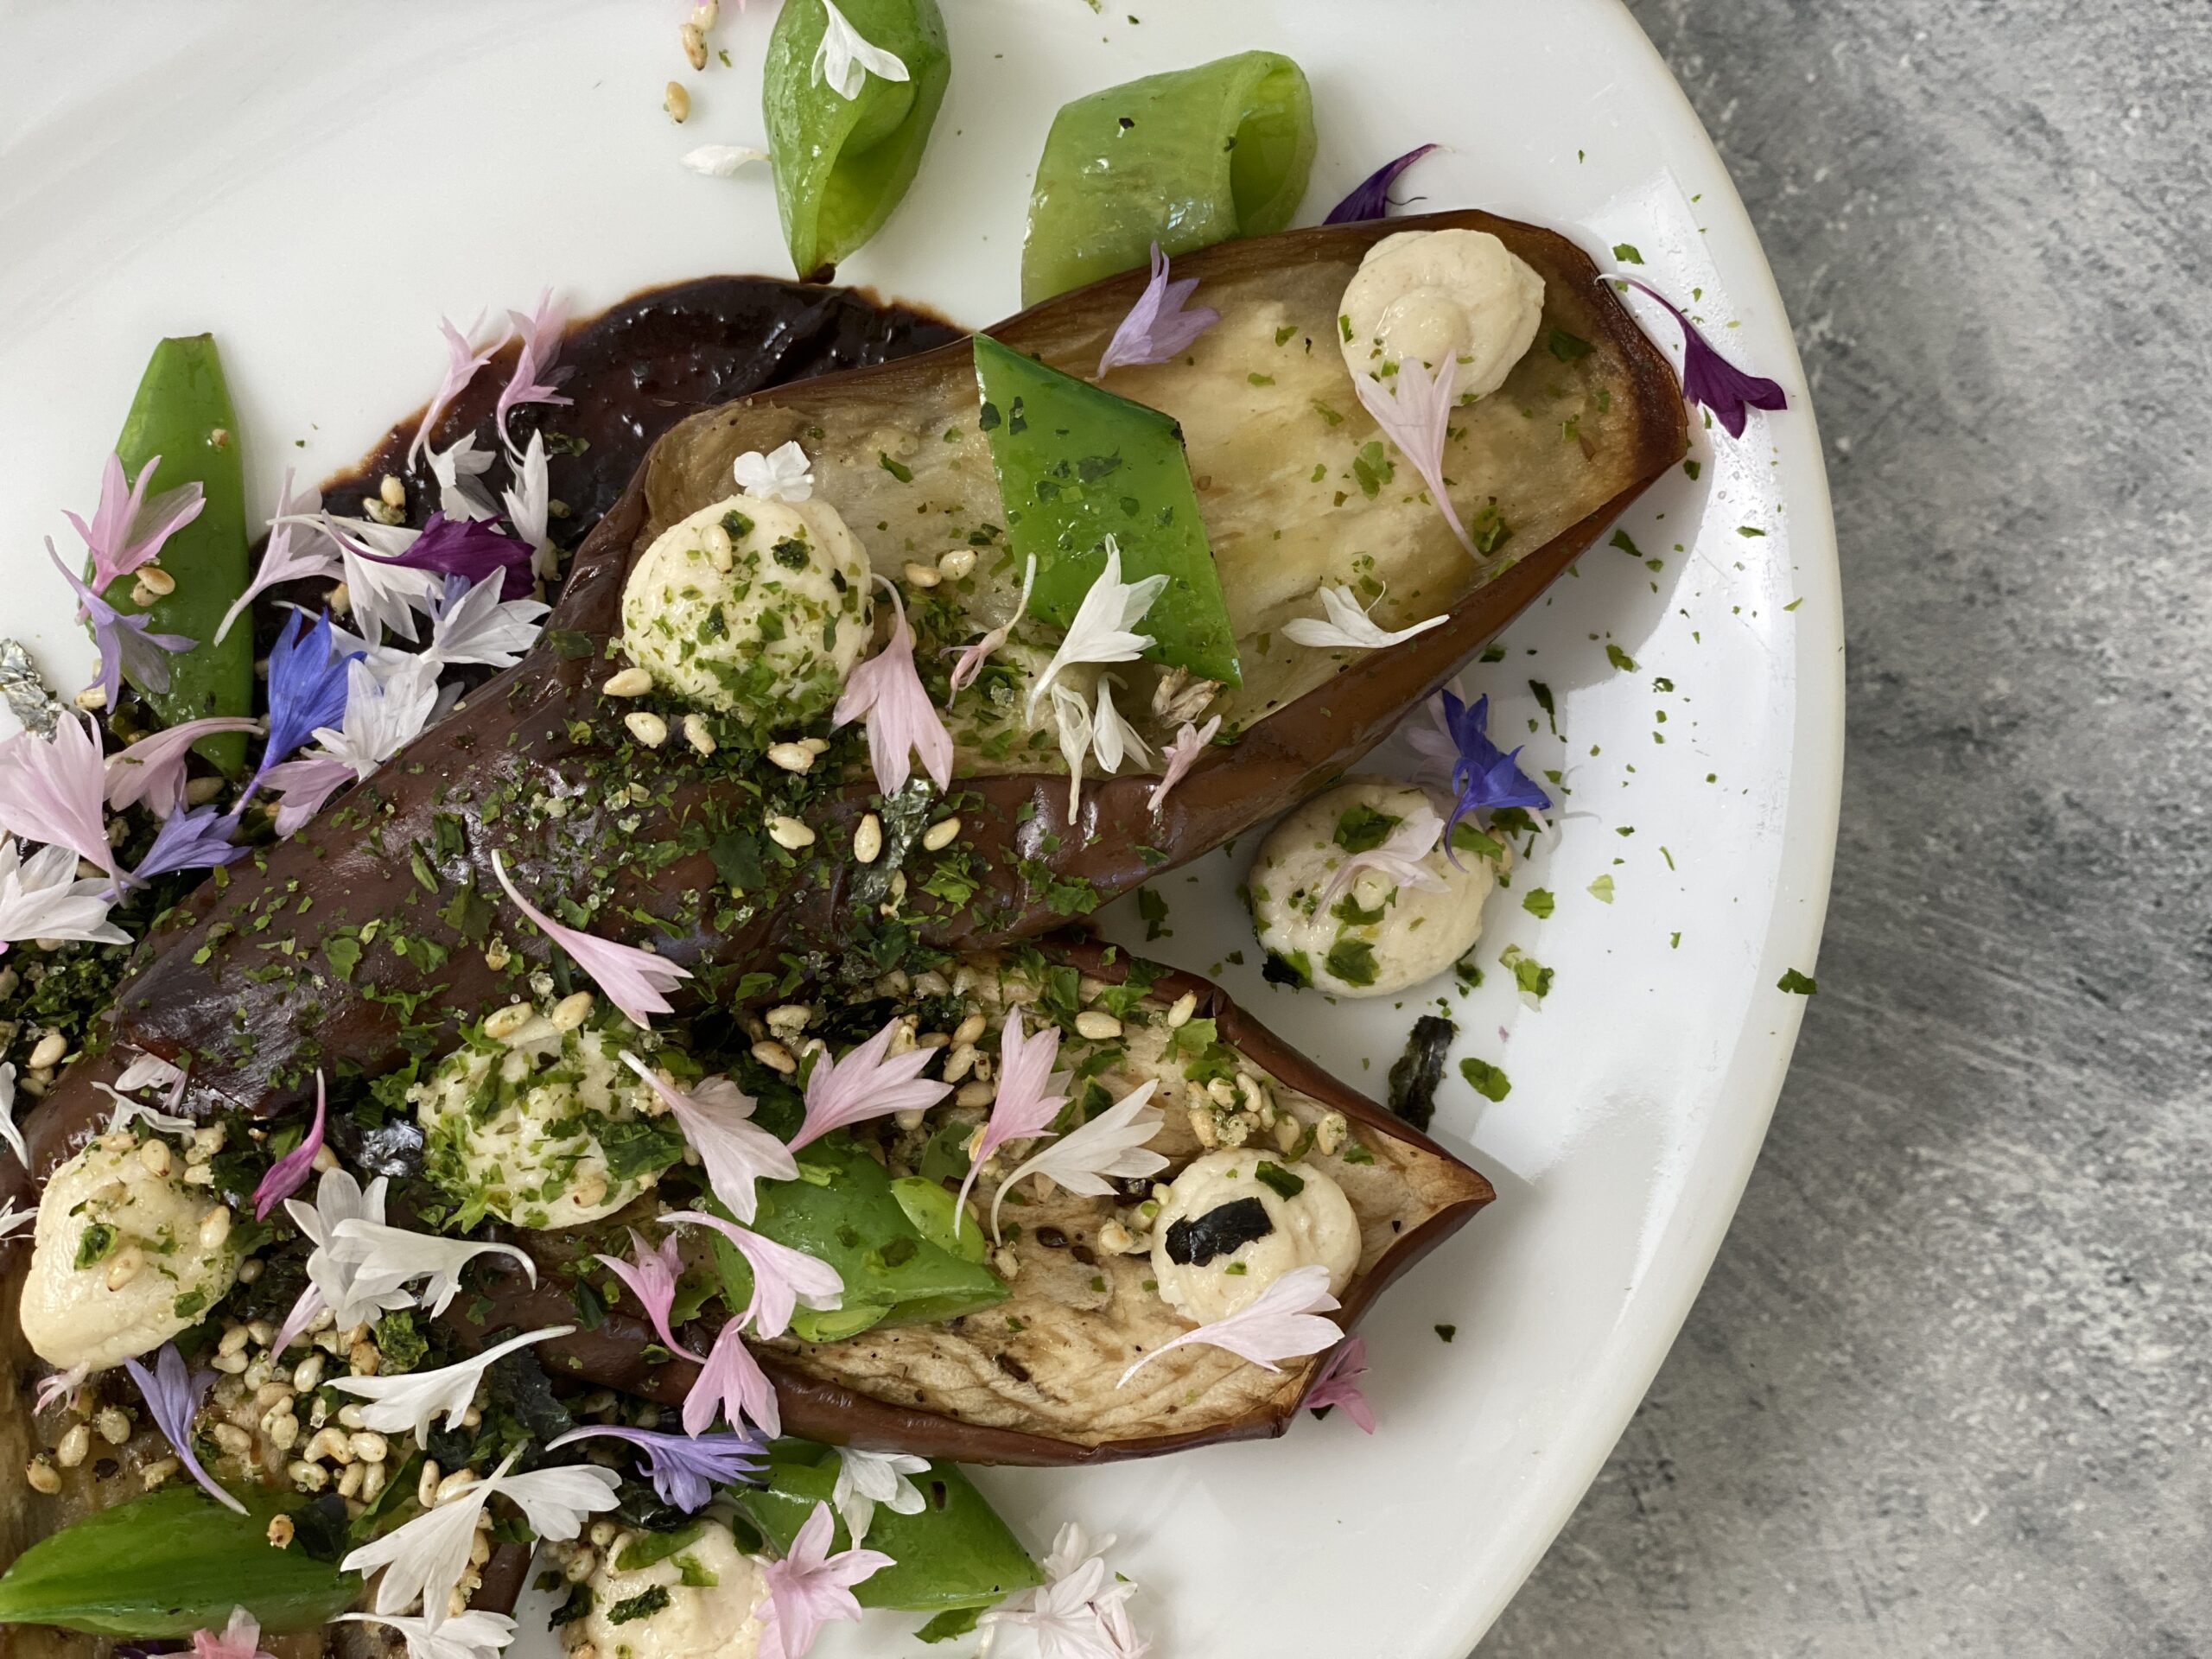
245	988
1036	1379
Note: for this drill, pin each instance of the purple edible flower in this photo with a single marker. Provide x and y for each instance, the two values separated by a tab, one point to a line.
307	687
1711	379
1158	327
288	1174
472	548
173	1395
125	644
685	1468
1484	778
197	840
1370	198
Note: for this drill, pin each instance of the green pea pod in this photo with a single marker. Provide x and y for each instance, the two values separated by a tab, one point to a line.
182	414
848	1216
1185	159
842	163
1076	464
168	1564
953	1552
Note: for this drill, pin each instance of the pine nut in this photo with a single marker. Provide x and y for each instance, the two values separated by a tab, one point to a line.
628	682
975	1094
716	543
74	1446
648	727
283	1428
1179	1014
571	1011
958	563
370	1447
156	581
695	45
1330	1134
373	1478
125	1267
426	1486
789	832
307	1375
214	1229
454	1484
114	1424
502	1023
233	1339
696	735
48	1050
349	1483
41	1473
939	835
93	698
308	1477
282	1530
233	1439
155	1474
676	102
1097	1025
393	489
775	1057
921	576
868	839
791	757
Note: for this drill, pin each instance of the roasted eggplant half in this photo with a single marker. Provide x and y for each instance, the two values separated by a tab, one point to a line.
1278	1165
658	841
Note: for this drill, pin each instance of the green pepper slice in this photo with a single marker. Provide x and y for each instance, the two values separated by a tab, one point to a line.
843	1210
1184	159
1076	464
182	413
954	1552
168	1564
842	164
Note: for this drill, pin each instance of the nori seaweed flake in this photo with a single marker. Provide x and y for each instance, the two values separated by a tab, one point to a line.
1220	1231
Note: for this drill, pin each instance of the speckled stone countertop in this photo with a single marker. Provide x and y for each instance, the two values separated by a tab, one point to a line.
1946	1391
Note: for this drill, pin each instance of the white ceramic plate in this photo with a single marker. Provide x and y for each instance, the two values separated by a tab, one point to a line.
318	184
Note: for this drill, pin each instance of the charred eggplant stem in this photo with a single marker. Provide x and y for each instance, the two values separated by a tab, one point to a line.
382	857
817	1407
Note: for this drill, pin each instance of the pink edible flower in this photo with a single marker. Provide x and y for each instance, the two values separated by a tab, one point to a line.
811	1586
651	1276
301	786
865	1085
1282	1322
972	657
127	645
280	560
1414	409
241	1639
152	769
1157	327
634	979
1181	755
1022	1108
1338	1384
784	1279
289	1173
715	1117
462	360
52	790
127	529
731	1382
1398	856
901	720
540	335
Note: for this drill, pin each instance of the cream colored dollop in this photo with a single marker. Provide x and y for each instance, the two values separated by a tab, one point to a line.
1409	934
715	1597
1314	1225
1430	295
70	1314
513	1125
770	637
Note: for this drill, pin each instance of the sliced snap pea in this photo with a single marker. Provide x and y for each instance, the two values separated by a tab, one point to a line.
843	1211
182	413
953	1552
169	1564
1076	463
842	164
1184	159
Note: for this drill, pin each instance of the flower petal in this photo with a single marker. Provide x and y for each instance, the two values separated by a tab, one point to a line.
634	979
1370	197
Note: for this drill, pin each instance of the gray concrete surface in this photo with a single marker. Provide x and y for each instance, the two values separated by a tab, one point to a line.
1946	1391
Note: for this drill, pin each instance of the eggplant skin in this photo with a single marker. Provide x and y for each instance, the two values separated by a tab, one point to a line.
830	1409
542	729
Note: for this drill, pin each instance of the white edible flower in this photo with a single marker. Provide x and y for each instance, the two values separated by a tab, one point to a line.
474	1634
846	59
1349	627
1104	627
1113	738
1072	715
530	507
404	1402
867	1478
477	626
384	1251
384	711
783	474
457	467
424	1560
41	898
723	160
351	1290
8	1128
1089	1158
1080	1612
128	1112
